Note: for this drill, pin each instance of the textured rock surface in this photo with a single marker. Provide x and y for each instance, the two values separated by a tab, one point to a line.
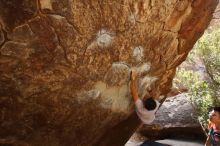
64	65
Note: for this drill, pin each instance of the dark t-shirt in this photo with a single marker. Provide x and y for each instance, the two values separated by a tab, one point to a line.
215	137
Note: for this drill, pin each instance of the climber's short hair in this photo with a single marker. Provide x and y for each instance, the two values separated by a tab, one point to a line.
150	103
217	109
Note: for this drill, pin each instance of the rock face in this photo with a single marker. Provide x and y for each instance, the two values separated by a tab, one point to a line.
176	111
65	65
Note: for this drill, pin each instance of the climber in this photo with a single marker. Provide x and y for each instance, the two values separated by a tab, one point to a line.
145	109
213	138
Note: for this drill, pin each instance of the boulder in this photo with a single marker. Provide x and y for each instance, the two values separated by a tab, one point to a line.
65	65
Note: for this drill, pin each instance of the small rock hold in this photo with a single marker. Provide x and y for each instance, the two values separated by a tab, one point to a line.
2	38
117	75
46	4
138	53
104	38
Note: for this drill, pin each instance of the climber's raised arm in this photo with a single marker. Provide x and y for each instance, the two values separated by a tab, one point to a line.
133	88
145	108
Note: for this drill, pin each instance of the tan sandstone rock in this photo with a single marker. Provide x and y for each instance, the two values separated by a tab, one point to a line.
65	65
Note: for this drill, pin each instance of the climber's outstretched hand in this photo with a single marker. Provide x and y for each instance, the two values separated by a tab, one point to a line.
133	75
133	89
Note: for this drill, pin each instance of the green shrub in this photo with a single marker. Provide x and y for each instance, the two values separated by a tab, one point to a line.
203	93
